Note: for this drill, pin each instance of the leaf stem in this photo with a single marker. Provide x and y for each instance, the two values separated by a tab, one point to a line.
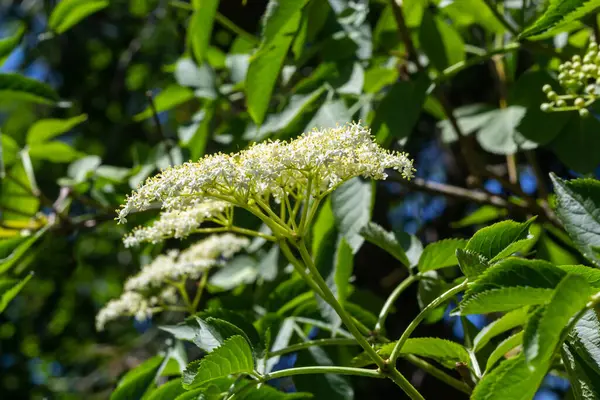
421	316
324	370
438	373
389	303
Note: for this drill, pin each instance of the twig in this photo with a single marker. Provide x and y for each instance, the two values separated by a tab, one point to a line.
159	127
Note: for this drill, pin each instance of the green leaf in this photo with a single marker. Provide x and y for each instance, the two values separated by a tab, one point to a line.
536	125
213	332
167	99
278	15
167	391
578	207
234	356
387	241
8	261
443	351
471	264
591	275
9	289
440	254
465	13
54	151
505	323
19	87
18	196
504	347
265	66
137	381
238	271
512	379
399	111
576	144
504	299
266	392
469	118
69	12
8	44
495	240
213	391
47	129
200	27
581	356
352	204
498	135
482	215
441	42
344	266
331	114
558	15
542	334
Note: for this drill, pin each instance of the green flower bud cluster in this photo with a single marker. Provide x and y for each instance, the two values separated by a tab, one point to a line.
579	78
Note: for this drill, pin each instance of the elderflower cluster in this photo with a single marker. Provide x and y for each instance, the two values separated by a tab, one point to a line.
579	78
314	164
177	223
150	290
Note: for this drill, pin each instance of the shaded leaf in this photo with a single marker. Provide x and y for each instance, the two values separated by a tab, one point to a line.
167	391
505	323
69	12
167	99
8	44
47	129
137	381
9	289
352	204
503	348
17	87
387	241
440	254
471	264
441	42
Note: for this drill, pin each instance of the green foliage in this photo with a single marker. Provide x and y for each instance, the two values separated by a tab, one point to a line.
9	288
18	87
441	254
234	356
136	382
559	15
7	45
70	12
375	234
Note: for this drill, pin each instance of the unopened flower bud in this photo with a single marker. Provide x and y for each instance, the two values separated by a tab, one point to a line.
579	102
545	107
584	113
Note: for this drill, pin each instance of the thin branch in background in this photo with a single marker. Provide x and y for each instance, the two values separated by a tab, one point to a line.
159	128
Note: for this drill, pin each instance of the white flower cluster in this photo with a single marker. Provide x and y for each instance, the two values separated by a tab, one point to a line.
176	223
322	159
138	299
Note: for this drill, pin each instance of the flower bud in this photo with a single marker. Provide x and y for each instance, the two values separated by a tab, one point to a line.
546	88
561	103
545	107
584	113
579	102
590	89
552	95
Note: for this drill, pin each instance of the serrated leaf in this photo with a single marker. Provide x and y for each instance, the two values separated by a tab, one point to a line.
591	275
559	14
167	391
212	391
213	332
9	289
542	334
505	323
265	66
440	254
387	241
47	129
266	392
352	204
504	299
581	356
471	264
491	241
527	280
503	348
19	87
512	379
443	351
168	98
200	27
234	356
137	381
69	12
186	330
578	207
8	44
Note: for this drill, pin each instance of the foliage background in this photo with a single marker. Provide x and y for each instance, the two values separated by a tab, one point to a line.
349	66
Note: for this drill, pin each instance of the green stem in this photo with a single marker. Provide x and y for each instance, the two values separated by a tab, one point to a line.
385	310
323	325
200	290
307	205
438	373
311	343
301	269
415	322
250	232
324	370
330	298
